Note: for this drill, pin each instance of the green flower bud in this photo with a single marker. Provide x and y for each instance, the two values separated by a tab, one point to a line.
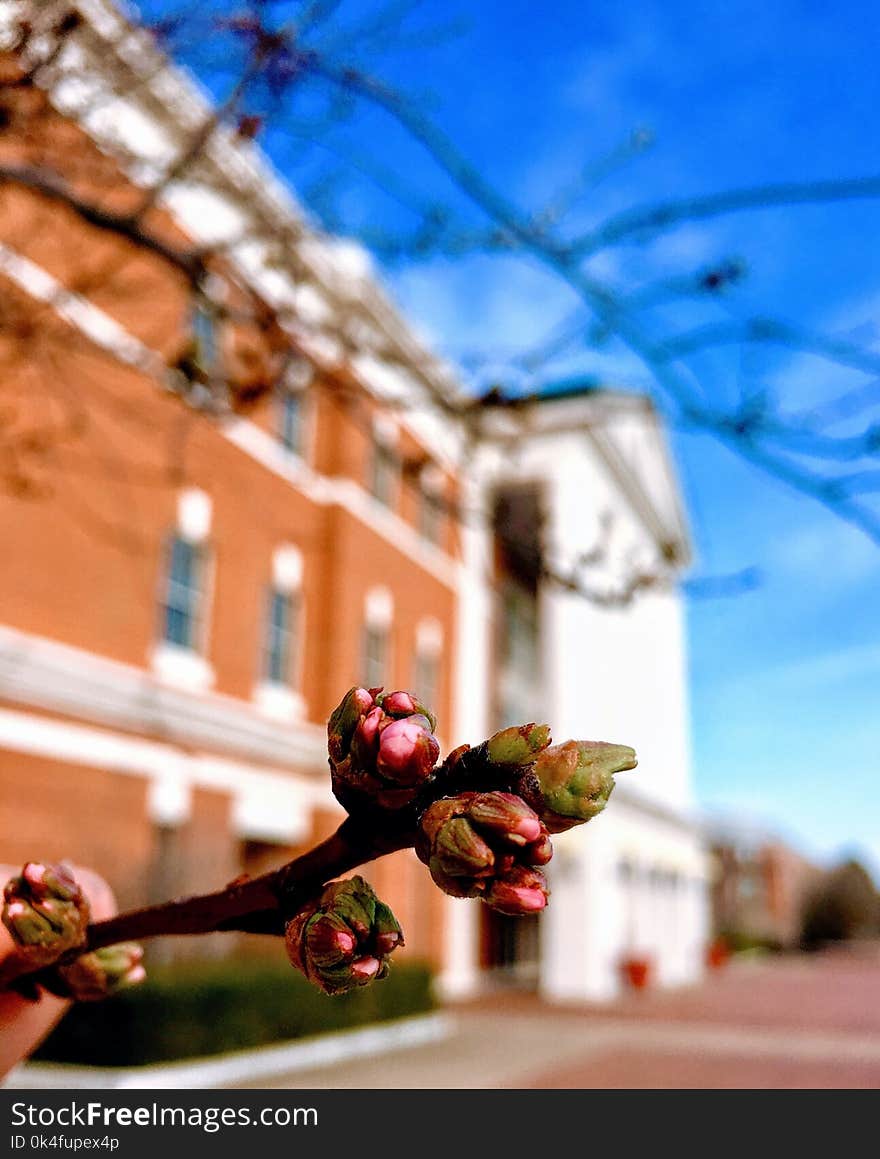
460	850
104	972
342	939
517	745
575	780
344	719
45	911
486	845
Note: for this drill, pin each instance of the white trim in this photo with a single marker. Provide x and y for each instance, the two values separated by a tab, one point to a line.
268	804
181	667
287	568
279	702
169	801
243	1066
386	430
89	320
194	511
379	608
42	673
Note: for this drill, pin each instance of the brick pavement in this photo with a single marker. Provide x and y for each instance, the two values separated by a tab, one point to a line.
803	1022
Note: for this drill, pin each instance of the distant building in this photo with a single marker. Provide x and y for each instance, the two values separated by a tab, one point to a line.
759	885
185	598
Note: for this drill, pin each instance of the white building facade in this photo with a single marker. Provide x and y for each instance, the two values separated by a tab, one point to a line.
599	654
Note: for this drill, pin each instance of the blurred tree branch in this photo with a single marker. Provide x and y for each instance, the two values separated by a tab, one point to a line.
305	72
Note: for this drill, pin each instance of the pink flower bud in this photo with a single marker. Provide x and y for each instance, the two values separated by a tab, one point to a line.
408	751
343	938
382	749
485	845
522	891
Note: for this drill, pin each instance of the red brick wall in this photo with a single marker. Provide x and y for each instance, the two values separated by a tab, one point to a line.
51	810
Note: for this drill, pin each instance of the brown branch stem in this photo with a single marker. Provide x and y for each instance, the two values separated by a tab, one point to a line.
261	904
190	263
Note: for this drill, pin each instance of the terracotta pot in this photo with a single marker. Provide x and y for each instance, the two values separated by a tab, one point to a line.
717	954
636	972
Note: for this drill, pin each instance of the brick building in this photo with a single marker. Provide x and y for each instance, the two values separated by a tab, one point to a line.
185	596
760	885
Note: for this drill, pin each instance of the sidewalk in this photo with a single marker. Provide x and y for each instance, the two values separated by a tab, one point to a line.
788	1022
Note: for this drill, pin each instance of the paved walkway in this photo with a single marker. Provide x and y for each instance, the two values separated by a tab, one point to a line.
790	1022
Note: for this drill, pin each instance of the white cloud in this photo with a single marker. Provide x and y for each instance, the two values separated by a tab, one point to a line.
831	550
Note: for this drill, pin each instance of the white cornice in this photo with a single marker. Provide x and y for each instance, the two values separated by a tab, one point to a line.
594	415
44	674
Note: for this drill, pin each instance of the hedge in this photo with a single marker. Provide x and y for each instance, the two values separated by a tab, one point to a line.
192	1010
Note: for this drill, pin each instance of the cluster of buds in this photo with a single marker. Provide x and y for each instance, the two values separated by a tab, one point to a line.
566	784
382	749
45	911
101	973
342	940
487	845
481	822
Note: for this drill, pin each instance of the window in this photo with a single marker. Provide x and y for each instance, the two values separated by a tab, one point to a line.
183	594
427	659
375	658
431	516
519	689
279	646
383	472
426	678
290	425
204	339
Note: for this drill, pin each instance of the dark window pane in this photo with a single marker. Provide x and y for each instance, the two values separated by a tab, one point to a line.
383	472
279	636
204	332
182	594
290	422
431	516
375	656
426	678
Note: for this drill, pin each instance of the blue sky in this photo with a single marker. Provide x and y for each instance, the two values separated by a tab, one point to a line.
785	679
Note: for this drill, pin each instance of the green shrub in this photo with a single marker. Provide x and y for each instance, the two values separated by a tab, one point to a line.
743	941
209	1008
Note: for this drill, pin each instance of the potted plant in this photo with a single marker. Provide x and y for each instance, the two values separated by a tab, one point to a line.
636	971
717	953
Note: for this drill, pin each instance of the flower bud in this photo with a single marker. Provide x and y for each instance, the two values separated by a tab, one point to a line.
45	911
575	780
486	845
399	704
521	891
344	719
517	745
382	749
342	940
103	972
